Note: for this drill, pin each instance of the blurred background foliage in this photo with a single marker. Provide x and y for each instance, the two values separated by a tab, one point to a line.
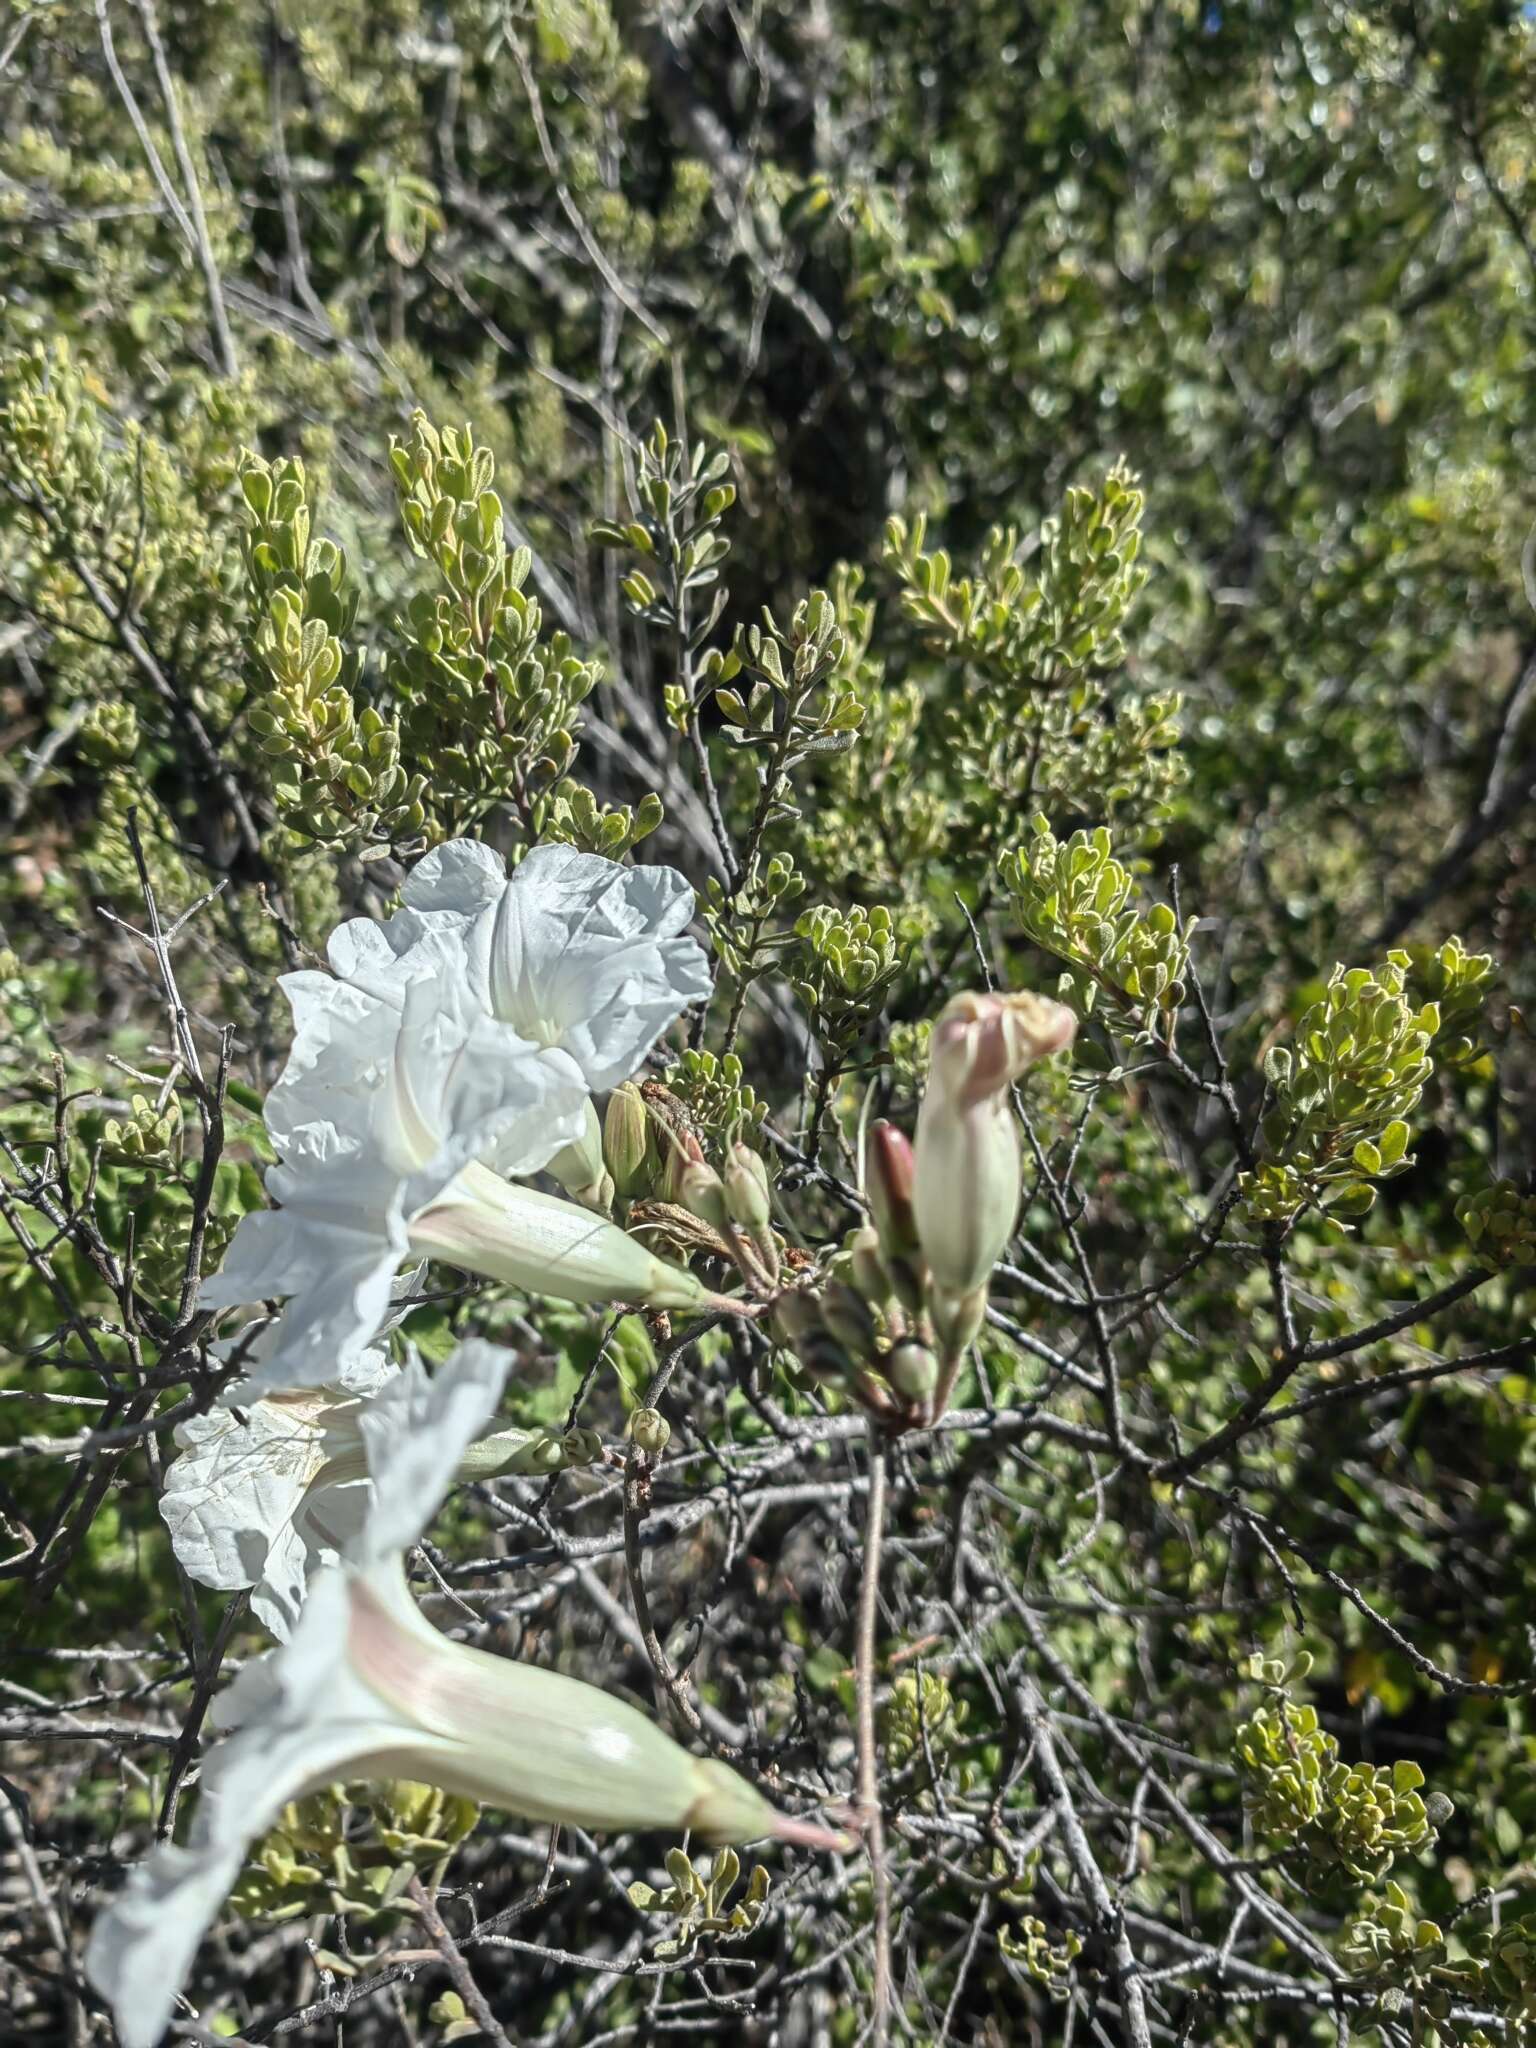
1039	490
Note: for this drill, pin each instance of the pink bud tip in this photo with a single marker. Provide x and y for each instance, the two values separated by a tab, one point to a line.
810	1834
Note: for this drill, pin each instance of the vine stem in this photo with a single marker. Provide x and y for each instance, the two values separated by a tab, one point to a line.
869	1771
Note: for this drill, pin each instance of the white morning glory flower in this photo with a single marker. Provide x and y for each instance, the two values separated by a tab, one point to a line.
386	1115
270	1489
367	1688
574	952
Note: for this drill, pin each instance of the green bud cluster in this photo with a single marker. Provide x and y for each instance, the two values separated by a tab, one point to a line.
713	1089
1065	617
1457	983
921	1718
492	706
1027	1942
1408	1963
336	770
747	925
1299	1794
1500	1220
699	1903
109	735
678	502
147	1136
1343	1091
843	968
576	818
1077	902
1034	646
800	698
351	1849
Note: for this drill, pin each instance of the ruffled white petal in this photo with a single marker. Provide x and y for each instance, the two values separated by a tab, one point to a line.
572	951
416	1430
382	1105
585	954
301	1716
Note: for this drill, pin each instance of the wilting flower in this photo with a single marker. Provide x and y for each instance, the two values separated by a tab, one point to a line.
967	1178
574	952
367	1688
267	1492
396	1118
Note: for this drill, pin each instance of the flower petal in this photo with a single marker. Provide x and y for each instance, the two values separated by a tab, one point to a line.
302	1719
416	1430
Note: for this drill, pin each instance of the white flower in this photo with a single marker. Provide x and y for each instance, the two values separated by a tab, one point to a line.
575	952
388	1107
367	1688
270	1489
263	1496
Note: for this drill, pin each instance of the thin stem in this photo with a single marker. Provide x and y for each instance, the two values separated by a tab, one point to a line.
869	1773
458	1969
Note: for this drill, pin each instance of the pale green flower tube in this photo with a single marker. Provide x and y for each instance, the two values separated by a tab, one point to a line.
517	1235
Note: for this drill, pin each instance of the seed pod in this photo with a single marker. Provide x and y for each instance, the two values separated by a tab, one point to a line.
650	1430
912	1370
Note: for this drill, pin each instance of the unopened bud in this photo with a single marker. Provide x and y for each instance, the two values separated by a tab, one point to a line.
650	1431
797	1316
957	1318
680	1149
702	1193
913	1371
627	1150
890	1179
747	1196
966	1197
825	1359
848	1316
581	1446
579	1167
866	1266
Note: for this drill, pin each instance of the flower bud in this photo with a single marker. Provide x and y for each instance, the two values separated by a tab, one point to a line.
681	1150
957	1318
701	1192
889	1180
848	1316
627	1150
913	1371
581	1447
747	1196
867	1267
650	1431
797	1316
966	1196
